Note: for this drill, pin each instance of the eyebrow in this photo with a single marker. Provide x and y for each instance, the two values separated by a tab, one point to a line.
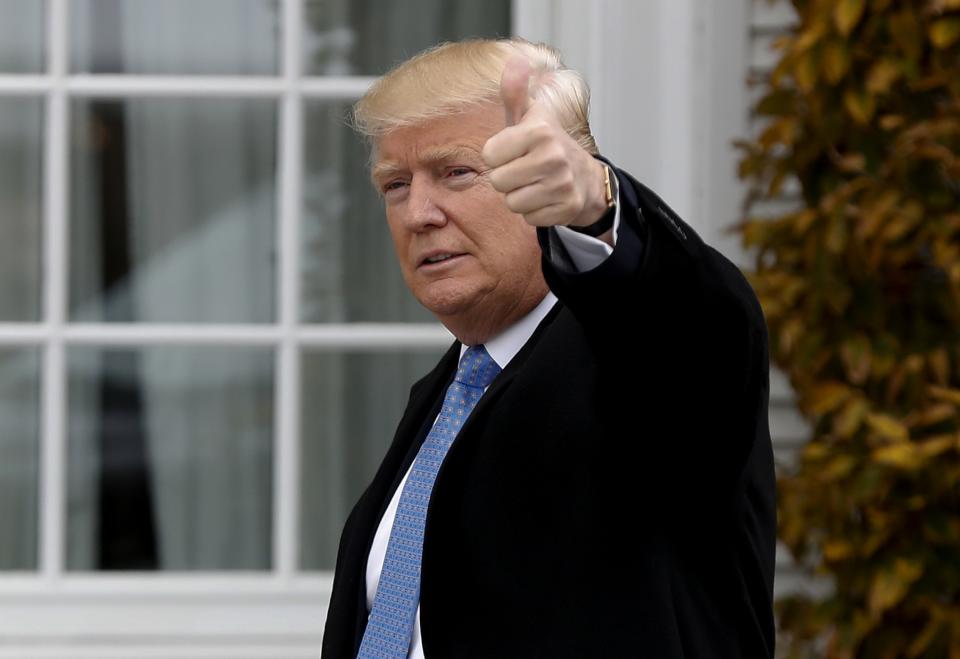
432	156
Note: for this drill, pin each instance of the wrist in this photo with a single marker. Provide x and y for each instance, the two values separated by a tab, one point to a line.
599	217
600	199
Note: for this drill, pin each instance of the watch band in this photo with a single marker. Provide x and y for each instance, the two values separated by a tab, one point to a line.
605	223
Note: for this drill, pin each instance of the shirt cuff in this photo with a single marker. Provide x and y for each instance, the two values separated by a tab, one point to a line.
587	252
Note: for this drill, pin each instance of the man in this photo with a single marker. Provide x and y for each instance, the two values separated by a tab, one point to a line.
588	471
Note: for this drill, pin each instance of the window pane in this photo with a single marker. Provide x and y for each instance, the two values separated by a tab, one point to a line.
21	220
170	458
349	269
173	210
368	37
181	37
19	457
21	36
356	401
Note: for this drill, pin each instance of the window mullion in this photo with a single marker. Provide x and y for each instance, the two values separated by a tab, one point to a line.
286	422
54	404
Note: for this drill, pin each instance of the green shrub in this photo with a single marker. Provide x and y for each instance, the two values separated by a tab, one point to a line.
861	289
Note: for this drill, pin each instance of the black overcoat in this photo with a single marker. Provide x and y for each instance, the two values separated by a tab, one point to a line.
612	494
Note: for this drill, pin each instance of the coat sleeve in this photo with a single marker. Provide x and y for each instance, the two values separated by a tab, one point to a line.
680	340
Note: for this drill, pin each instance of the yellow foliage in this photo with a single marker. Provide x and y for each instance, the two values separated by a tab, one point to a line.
850	418
859	104
836	61
945	32
944	393
861	291
903	456
826	397
891	584
847	14
882	75
887	427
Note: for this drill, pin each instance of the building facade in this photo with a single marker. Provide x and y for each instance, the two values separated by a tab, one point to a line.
204	341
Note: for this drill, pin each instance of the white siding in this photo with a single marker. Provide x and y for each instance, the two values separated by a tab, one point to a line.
767	22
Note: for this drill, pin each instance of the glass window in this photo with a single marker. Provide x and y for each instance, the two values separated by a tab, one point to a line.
21	215
181	37
173	204
368	37
19	457
170	458
356	401
22	36
349	270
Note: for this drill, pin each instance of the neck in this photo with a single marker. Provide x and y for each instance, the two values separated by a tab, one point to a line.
477	328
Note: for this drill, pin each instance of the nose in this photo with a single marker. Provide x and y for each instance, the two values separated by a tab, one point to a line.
423	211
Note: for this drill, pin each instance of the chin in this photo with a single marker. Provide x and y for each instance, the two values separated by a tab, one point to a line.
446	301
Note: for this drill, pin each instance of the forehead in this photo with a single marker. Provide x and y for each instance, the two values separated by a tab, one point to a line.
453	136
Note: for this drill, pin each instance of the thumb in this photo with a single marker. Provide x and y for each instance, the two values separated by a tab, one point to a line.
514	84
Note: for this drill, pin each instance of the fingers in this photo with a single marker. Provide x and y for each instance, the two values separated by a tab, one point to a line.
514	173
517	141
555	196
536	205
509	144
514	88
528	198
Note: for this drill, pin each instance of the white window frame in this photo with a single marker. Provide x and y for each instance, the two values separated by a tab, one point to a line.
280	612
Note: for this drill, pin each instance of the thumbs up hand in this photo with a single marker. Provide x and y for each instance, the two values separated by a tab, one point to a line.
544	174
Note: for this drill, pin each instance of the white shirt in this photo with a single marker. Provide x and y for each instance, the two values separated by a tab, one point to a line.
586	253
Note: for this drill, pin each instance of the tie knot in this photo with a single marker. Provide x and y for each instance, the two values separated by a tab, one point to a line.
477	368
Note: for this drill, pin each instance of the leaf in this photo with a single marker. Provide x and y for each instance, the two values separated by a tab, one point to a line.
943	393
882	75
906	32
944	32
903	222
939	363
836	61
815	451
934	446
931	416
835	550
856	356
903	456
875	211
779	102
827	397
888	427
922	641
803	220
789	333
838	467
859	104
891	584
805	71
846	15
807	38
850	418
853	162
891	121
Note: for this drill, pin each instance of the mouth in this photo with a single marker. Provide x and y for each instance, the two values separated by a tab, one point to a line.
436	260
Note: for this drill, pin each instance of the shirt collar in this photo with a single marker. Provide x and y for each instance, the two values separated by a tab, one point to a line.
505	345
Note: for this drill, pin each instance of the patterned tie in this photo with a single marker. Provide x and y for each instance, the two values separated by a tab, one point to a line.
390	625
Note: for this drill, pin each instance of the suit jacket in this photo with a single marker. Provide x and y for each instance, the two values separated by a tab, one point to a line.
612	494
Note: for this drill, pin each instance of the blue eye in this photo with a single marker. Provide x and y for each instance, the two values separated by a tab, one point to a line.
460	171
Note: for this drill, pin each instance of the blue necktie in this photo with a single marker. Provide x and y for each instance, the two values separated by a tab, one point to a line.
390	625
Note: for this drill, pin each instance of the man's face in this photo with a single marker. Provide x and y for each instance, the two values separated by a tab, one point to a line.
464	255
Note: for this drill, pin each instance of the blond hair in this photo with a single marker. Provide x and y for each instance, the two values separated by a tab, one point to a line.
453	77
